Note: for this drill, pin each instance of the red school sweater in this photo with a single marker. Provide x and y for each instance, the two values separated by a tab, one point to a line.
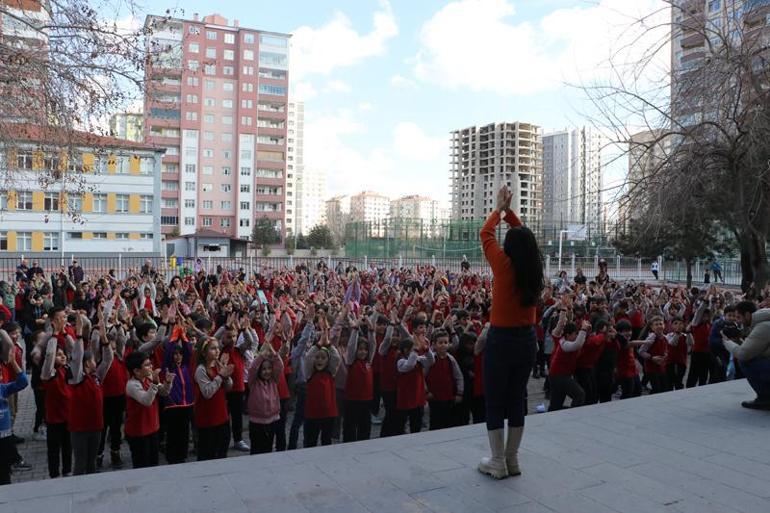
141	420
410	392
57	397
213	411
86	406
321	401
441	381
678	353
360	383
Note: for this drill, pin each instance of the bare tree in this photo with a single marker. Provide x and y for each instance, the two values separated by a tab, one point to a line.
708	116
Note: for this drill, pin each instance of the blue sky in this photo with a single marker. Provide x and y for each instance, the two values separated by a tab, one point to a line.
384	82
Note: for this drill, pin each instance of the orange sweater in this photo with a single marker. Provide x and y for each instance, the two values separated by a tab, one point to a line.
507	310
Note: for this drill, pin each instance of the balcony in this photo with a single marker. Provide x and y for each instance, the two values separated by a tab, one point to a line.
693	41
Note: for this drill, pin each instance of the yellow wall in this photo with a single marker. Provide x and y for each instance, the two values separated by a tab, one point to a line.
11	154
11	200
64	158
133	204
88	235
63	201
37	201
131	236
134	166
12	241
88	202
110	202
37	241
110	235
112	164
37	160
88	162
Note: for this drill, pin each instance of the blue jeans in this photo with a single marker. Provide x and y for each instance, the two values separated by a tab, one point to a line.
509	356
757	372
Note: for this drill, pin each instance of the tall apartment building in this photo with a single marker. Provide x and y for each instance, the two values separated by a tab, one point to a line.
417	207
646	154
484	158
216	99
368	206
338	215
128	126
115	210
572	179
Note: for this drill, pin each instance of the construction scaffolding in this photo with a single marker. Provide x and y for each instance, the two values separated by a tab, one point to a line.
418	238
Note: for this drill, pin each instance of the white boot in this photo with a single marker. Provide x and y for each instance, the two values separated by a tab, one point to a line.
512	450
495	466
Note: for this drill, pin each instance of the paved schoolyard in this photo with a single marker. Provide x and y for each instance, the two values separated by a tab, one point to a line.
695	450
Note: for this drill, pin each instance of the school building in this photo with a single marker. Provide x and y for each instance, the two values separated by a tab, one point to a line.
75	193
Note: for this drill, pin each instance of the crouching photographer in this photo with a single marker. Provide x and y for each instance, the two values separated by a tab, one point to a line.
753	353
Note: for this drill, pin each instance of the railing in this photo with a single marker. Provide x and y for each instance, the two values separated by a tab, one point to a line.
618	268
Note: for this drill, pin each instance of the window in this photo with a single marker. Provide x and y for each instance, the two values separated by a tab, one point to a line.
192	65
227	137
170	203
208	204
145	236
75	235
189	168
245	205
225	205
206	221
75	202
121	203
210	69
100	203
248	38
208	153
193	81
269	173
193	30
271	89
225	187
246	120
23	241
207	187
228	70
208	118
51	202
211	35
230	39
209	102
272	73
121	236
190	153
248	104
189	203
145	204
227	120
168	185
3	241
227	104
224	223
246	154
715	6
208	170
51	241
245	171
167	220
244	223
210	85
246	188
189	221
229	55
275	156
172	150
228	87
273	60
248	70
191	116
193	48
278	42
192	98
227	154
248	55
208	136
211	53
99	235
247	87
189	186
226	171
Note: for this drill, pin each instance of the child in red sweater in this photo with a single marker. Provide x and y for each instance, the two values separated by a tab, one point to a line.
445	383
410	393
359	386
57	397
212	380
264	403
321	363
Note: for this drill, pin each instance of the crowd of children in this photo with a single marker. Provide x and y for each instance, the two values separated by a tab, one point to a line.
169	362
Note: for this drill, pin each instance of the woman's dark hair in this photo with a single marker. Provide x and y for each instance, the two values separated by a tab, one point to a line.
521	247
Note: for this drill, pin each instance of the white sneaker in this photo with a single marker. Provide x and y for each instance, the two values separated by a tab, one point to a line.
40	436
241	446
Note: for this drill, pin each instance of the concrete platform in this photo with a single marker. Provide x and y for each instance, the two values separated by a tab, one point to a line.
691	451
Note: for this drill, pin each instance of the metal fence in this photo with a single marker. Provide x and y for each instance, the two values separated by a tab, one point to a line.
619	268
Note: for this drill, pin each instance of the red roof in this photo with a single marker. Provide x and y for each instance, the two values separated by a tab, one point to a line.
62	136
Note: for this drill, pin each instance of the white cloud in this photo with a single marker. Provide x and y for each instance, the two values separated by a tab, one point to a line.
402	81
411	142
365	106
303	91
337	86
338	44
496	53
413	163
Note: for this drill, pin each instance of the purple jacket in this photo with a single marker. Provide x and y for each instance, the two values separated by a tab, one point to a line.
264	406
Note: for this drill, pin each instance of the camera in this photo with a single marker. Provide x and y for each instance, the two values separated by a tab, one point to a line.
731	331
